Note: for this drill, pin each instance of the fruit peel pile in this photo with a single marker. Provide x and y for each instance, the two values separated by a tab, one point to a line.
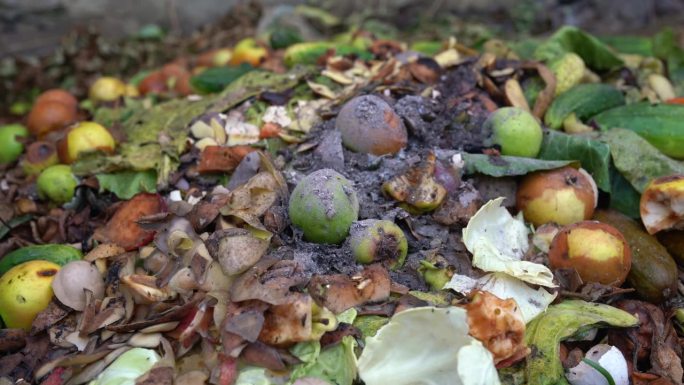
288	211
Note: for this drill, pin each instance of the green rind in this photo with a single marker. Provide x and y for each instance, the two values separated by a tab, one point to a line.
544	334
585	100
59	254
660	124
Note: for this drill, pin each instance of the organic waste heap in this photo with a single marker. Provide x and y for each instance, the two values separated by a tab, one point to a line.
352	210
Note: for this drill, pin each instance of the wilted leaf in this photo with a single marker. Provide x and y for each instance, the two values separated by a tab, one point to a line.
236	250
637	160
498	166
335	364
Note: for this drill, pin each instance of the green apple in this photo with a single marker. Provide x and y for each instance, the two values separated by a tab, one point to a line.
10	147
516	131
57	183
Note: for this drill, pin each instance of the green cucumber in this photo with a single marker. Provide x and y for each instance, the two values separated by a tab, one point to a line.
662	125
585	100
59	254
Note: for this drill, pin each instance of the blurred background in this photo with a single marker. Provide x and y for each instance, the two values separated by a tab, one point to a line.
36	26
67	43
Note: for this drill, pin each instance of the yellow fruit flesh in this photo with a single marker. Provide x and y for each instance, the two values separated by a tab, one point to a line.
25	291
596	244
559	206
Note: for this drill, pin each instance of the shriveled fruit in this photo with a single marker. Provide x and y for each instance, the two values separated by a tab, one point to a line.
49	116
10	147
57	183
597	251
123	228
662	204
516	131
25	291
82	138
39	156
369	125
324	205
373	240
564	196
107	89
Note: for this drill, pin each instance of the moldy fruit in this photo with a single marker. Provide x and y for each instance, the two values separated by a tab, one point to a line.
323	206
369	125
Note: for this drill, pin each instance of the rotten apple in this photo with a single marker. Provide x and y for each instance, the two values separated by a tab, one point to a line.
565	195
597	251
662	204
83	138
369	125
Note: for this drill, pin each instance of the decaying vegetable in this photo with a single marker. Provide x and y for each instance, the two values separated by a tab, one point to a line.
106	89
564	196
544	334
597	251
662	204
654	273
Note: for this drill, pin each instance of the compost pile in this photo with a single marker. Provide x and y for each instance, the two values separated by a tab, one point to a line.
359	209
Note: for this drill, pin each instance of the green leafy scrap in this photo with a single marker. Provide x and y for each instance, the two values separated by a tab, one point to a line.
126	184
499	166
335	364
595	54
593	155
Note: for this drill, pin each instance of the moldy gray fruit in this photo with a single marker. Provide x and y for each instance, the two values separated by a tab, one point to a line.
324	205
369	125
